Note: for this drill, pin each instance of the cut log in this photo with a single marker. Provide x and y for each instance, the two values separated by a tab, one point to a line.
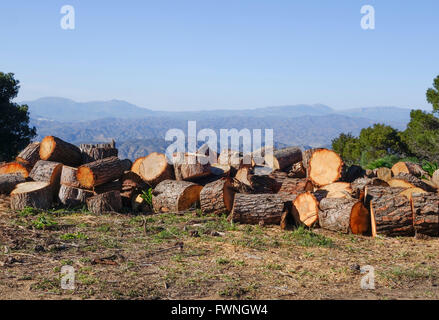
283	158
47	171
37	195
220	170
297	171
109	186
8	182
155	168
217	197
231	158
359	185
306	209
57	150
406	180
190	167
211	154
99	172
325	167
425	209
30	155
391	213
73	197
338	190
94	152
105	202
410	168
68	177
294	186
175	196
384	174
14	167
126	164
257	182
136	165
344	215
263	209
409	192
435	179
132	186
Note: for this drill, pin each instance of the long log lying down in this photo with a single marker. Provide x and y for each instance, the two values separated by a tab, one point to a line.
174	196
73	197
30	155
155	168
68	177
391	213
409	192
93	152
256	181
425	209
8	182
47	171
14	167
32	194
217	197
189	166
57	150
325	167
99	172
406	180
283	158
384	174
266	209
295	186
410	168
344	215
105	202
306	209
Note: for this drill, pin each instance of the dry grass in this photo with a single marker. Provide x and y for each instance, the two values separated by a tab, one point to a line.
190	256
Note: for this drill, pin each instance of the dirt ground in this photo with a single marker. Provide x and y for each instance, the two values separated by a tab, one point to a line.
190	256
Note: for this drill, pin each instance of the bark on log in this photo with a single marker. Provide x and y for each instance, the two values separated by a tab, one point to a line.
37	195
132	186
325	167
344	215
257	182
109	186
155	169
99	172
338	190
261	209
353	173
297	171
425	209
68	177
410	168
73	197
217	197
8	182
126	164
305	209
406	180
359	185
105	202
47	171
175	196
294	186
93	152
283	158
190	167
30	155
57	150
14	167
384	174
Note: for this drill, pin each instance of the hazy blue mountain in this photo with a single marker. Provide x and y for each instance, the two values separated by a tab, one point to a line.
384	114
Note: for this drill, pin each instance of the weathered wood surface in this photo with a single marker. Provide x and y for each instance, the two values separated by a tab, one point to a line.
47	171
99	172
217	197
30	155
57	150
425	209
14	167
32	194
8	182
175	196
73	197
283	158
105	202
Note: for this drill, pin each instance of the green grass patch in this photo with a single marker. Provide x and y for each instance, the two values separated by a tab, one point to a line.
307	238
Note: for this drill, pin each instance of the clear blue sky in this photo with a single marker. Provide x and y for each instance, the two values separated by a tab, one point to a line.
204	54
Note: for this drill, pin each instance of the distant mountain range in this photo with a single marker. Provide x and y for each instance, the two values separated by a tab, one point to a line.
139	131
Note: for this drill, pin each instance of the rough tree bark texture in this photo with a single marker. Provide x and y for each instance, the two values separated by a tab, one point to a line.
105	202
262	209
297	171
410	168
175	196
99	172
14	167
361	183
406	180
217	197
132	186
109	186
32	194
68	177
126	164
283	158
425	208
325	167
257	181
94	152
8	182
191	167
73	197
47	171
155	169
294	186
30	155
57	150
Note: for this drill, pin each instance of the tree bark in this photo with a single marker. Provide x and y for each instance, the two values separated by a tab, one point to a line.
406	180
126	164
105	202
294	186
410	168
257	182
325	167
14	167
360	184
155	169
8	182
262	209
93	152
30	155
57	150
425	209
338	190
175	196
283	158
68	177
99	172
37	195
132	186
217	197
190	167
73	197
47	171
109	186
297	171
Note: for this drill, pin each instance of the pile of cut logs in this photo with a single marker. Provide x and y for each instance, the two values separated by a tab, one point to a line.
292	187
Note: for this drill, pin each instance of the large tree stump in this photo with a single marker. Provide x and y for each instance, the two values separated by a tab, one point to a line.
155	168
30	155
262	209
47	171
94	152
190	167
425	209
105	202
73	197
8	182
217	197
57	150
306	209
344	215
175	196
410	168
37	195
99	172
256	180
283	158
406	180
14	167
68	177
325	167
